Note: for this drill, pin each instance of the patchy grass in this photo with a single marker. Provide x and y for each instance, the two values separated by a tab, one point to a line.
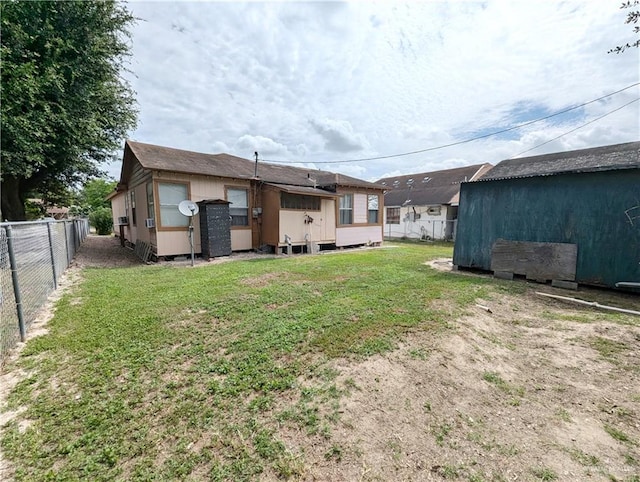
209	373
166	372
544	474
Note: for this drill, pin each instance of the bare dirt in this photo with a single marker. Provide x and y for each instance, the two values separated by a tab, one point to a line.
533	389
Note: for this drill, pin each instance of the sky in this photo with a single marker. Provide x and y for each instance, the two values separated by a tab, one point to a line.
319	83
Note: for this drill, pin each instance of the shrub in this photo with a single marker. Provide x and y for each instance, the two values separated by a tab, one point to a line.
102	220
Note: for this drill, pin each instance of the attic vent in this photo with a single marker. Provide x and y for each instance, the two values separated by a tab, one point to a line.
410	181
426	179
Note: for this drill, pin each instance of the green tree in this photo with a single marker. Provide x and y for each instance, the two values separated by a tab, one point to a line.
101	220
65	108
93	194
633	16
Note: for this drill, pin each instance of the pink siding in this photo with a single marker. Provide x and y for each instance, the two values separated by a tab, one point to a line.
358	235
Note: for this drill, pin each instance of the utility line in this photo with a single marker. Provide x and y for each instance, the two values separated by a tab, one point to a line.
575	129
465	141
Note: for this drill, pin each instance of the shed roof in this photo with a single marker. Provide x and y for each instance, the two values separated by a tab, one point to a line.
429	188
606	158
162	158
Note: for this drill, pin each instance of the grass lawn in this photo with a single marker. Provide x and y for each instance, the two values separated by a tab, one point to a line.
160	373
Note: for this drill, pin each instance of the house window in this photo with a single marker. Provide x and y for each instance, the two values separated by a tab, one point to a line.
133	207
169	196
150	202
239	207
393	215
372	209
346	209
299	202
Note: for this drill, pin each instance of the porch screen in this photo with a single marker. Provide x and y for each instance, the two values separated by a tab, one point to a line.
169	196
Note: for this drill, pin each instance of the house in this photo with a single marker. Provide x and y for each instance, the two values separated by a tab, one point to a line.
577	212
425	205
269	205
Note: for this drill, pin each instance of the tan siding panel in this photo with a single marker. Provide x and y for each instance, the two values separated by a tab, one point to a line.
329	217
173	243
240	239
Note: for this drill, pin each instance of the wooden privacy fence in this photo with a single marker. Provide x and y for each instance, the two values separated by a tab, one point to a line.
33	257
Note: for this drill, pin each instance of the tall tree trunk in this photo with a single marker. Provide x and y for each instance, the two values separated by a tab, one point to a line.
12	207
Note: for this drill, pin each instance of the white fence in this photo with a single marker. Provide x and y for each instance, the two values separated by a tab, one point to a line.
438	229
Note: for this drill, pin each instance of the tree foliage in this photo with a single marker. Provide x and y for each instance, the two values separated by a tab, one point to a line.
102	220
93	194
65	107
633	16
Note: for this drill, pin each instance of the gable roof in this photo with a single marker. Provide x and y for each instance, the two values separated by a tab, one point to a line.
160	158
429	188
607	158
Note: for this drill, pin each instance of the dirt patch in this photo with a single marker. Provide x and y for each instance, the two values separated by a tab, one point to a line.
521	393
262	280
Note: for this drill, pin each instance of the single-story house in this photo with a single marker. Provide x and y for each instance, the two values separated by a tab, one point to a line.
425	205
266	205
572	216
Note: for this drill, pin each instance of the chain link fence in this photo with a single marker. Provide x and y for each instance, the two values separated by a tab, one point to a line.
33	257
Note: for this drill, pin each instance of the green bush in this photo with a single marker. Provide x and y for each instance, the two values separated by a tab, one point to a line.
102	220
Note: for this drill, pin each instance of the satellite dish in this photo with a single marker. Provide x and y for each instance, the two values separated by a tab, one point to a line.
188	208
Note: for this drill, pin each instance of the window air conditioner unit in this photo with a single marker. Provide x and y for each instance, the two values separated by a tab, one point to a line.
123	220
149	223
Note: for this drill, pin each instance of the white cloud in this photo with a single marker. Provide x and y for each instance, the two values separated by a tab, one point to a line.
263	145
338	135
379	78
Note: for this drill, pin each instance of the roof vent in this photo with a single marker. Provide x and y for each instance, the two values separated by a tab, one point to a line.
426	179
410	181
396	183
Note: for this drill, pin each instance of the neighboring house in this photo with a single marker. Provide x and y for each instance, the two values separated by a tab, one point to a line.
588	199
57	212
425	205
280	207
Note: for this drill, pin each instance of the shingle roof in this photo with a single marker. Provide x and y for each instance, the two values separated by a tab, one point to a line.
619	156
225	165
429	188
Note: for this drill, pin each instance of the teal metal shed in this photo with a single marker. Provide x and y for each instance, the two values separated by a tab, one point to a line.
588	197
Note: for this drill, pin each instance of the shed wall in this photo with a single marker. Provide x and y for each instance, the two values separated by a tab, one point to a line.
587	209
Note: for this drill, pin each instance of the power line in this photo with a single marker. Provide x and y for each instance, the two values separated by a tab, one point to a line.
579	127
465	141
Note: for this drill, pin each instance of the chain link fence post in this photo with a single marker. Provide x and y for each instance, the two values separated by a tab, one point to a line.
16	284
66	244
53	257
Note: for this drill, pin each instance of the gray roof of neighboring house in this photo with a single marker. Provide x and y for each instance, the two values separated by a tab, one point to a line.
619	156
225	165
429	188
